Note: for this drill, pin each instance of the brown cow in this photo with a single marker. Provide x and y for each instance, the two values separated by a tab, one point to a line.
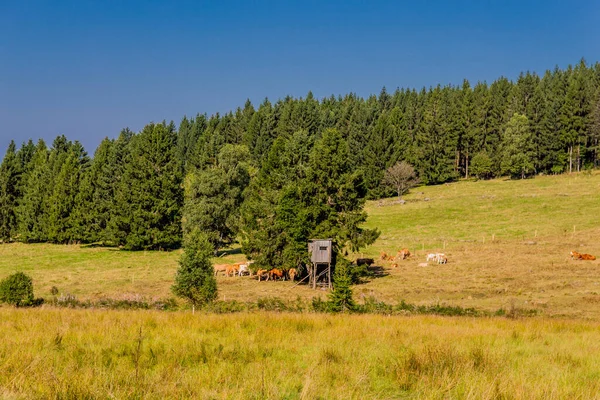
232	270
262	273
383	256
403	254
364	261
220	268
276	273
579	256
292	272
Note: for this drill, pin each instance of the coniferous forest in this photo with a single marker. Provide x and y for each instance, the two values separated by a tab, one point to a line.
275	174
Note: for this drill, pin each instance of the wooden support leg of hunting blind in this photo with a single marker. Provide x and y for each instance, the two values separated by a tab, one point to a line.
329	275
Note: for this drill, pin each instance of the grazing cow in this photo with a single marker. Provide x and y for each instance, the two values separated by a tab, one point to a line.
431	257
364	261
383	256
262	273
579	256
232	270
276	273
292	272
244	270
403	254
220	268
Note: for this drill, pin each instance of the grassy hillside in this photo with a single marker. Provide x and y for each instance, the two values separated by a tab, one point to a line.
508	244
80	354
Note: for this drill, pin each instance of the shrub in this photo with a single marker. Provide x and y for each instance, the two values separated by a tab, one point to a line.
17	290
271	304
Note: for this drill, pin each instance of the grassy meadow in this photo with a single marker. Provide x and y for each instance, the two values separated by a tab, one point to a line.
507	242
508	245
87	354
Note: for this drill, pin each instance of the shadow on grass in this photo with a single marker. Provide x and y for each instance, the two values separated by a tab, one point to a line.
364	274
229	252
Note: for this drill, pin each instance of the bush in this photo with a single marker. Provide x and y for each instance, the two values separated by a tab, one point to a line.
17	290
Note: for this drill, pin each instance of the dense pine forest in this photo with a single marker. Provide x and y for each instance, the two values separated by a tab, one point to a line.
276	174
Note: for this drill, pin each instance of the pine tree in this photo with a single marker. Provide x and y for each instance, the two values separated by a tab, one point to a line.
517	154
340	298
150	196
195	279
10	177
62	200
92	209
30	212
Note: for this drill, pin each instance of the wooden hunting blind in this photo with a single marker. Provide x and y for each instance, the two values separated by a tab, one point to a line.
321	256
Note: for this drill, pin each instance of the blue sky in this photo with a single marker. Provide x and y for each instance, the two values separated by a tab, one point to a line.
86	69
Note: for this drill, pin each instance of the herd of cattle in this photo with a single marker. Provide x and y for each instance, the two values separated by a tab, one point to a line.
243	268
438	258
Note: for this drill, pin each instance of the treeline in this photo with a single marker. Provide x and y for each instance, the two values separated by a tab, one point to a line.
277	174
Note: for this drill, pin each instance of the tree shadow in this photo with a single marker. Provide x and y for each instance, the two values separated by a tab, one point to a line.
229	252
367	273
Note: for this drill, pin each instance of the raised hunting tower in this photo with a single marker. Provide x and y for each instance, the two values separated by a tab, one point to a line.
321	255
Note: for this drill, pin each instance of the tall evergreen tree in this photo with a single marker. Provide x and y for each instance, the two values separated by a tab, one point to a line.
150	196
213	196
10	177
517	152
31	208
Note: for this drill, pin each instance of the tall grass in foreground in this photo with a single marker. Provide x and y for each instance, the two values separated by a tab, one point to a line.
77	354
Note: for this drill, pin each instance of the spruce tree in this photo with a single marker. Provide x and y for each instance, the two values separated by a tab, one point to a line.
62	201
340	298
10	177
517	152
195	279
31	211
150	196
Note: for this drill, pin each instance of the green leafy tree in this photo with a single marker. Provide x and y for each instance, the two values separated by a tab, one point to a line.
320	195
195	279
213	196
517	154
481	166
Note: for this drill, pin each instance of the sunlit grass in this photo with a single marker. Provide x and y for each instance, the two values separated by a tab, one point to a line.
50	353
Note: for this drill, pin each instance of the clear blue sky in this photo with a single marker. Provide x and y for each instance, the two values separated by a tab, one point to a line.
86	69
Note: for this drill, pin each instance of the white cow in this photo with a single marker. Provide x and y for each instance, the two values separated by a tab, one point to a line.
245	269
439	258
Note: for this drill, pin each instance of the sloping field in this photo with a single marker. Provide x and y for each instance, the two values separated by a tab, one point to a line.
87	354
507	242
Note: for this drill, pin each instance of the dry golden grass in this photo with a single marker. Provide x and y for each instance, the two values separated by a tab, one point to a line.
486	229
77	354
